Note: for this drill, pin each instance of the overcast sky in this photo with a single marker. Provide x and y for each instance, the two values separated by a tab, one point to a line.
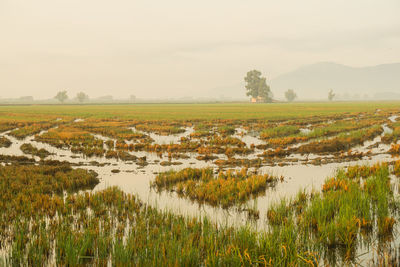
172	48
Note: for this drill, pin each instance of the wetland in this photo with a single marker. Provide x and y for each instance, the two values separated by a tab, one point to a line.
213	185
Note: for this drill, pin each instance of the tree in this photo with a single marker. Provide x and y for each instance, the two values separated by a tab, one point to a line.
61	96
82	97
290	95
256	86
331	95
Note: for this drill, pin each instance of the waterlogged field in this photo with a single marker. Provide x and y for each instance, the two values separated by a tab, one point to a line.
200	184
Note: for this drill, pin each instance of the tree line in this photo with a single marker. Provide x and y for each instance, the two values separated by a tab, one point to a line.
82	97
62	96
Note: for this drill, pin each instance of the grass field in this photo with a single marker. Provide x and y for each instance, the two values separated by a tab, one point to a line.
196	111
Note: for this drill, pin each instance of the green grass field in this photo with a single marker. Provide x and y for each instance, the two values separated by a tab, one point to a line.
194	111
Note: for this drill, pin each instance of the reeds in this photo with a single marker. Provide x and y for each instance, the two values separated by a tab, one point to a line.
31	129
5	142
394	149
112	227
34	151
226	189
279	131
347	210
162	128
342	142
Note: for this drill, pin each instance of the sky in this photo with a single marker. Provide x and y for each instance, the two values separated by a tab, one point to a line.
181	48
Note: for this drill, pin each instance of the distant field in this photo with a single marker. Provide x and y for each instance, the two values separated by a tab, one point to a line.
194	111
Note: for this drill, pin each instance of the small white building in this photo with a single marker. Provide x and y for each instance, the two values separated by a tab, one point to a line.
257	99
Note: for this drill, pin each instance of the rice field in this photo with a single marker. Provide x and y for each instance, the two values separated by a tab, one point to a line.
301	184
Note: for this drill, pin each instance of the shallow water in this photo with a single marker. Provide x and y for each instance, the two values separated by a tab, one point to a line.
248	138
136	179
386	129
305	131
166	139
393	118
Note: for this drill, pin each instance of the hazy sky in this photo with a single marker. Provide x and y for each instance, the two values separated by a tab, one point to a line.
182	47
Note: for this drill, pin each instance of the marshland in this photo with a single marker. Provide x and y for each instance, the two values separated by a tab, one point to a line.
199	133
200	184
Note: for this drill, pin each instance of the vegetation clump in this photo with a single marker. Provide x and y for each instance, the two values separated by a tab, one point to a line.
394	136
160	128
26	189
9	125
279	131
78	141
226	130
341	142
34	151
394	149
16	159
5	142
31	129
225	190
353	206
113	129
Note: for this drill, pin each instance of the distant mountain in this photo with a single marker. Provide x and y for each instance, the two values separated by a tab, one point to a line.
387	95
314	81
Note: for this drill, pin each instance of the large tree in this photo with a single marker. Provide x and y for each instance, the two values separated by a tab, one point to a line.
256	86
61	96
82	97
290	95
331	95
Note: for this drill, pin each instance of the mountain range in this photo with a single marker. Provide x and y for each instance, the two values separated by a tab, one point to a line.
313	82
